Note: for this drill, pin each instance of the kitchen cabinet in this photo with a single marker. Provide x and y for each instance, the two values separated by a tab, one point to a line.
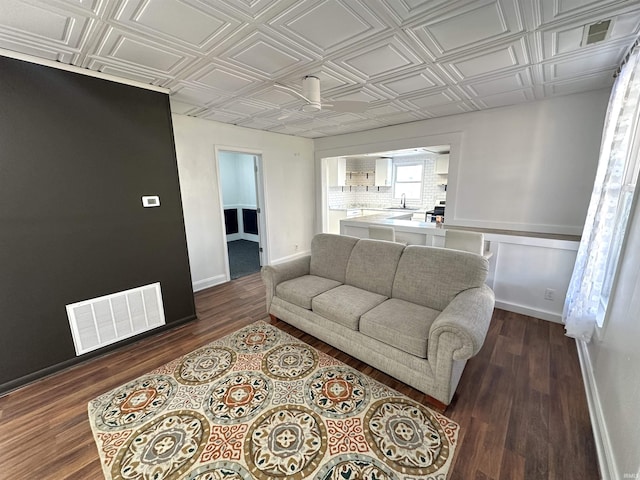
384	172
442	170
442	164
337	172
334	220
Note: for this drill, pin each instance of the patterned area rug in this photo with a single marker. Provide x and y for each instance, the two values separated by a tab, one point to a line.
261	404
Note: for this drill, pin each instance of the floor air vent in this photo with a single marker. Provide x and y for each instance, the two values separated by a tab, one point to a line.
105	320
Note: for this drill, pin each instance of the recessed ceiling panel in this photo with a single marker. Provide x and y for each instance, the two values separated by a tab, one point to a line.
440	98
39	21
275	97
470	25
44	23
327	24
562	41
495	86
596	61
406	9
265	55
220	116
624	25
409	84
552	10
54	54
389	57
255	8
505	99
477	25
194	96
449	109
152	56
243	107
257	124
583	84
174	18
490	61
222	80
357	94
384	110
343	118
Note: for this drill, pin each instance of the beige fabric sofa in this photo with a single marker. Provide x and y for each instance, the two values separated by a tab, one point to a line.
416	313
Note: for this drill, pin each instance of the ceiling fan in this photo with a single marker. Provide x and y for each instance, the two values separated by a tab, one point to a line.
313	103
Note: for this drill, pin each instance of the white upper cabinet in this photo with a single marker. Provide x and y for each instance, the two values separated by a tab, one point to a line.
383	172
442	164
337	171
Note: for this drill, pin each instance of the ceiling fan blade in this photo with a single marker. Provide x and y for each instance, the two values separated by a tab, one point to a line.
289	89
347	106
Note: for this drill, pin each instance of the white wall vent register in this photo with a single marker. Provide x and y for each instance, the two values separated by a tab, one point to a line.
105	320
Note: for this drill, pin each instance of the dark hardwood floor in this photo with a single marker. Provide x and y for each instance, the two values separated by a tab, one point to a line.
520	404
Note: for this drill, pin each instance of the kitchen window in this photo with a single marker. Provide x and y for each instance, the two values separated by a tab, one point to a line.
408	181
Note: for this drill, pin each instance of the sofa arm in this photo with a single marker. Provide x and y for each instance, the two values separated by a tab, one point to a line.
466	319
272	275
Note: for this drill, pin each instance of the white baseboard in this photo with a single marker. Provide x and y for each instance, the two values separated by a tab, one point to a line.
208	282
532	312
606	463
290	257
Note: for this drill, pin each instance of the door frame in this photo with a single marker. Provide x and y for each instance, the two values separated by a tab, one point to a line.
260	203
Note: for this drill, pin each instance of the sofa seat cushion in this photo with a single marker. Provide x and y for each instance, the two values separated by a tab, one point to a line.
401	324
300	291
345	304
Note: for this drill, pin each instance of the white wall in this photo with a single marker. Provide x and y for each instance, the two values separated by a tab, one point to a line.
237	179
238	184
612	365
527	167
289	178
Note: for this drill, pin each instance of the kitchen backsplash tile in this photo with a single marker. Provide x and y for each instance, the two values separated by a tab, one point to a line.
362	196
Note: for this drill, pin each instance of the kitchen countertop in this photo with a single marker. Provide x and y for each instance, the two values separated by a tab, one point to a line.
399	221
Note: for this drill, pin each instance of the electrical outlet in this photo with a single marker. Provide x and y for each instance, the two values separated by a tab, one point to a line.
295	248
549	294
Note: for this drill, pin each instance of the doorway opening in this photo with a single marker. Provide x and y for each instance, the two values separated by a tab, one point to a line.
241	193
412	181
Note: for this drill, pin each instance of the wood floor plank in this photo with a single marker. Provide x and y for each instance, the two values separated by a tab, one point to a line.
520	403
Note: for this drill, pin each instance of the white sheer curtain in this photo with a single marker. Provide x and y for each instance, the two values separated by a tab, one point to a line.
606	222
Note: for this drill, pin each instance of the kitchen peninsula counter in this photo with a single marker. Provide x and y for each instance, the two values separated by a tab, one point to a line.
528	271
402	222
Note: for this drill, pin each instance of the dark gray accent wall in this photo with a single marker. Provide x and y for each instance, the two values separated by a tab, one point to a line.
77	153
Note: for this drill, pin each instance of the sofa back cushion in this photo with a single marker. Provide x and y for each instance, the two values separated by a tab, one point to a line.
432	276
330	254
372	265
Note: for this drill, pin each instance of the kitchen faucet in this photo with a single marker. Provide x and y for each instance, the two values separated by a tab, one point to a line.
403	200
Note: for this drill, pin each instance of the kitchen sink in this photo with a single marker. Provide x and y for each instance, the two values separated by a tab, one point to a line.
400	209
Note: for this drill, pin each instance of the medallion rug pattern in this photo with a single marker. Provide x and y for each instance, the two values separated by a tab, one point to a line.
261	404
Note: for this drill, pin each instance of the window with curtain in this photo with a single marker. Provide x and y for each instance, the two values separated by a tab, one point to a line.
613	193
